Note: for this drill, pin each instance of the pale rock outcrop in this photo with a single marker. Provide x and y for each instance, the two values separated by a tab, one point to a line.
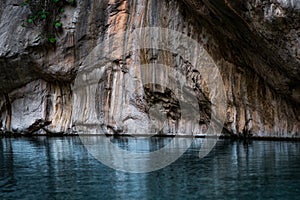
254	43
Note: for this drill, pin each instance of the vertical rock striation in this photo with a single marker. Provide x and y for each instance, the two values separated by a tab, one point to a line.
255	45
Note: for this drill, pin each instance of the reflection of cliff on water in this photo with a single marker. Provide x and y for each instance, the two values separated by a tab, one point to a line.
41	160
7	179
140	144
61	168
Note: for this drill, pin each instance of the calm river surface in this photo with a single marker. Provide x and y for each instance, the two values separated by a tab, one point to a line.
62	168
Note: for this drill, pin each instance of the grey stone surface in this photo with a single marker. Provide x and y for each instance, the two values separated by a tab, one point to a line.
254	43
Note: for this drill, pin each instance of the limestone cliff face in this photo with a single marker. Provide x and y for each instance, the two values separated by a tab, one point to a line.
254	43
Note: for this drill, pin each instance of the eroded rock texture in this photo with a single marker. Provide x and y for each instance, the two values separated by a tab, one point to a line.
254	43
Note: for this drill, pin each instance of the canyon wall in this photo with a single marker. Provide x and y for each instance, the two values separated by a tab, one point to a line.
255	45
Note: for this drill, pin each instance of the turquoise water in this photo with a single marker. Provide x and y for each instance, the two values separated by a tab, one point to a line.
61	168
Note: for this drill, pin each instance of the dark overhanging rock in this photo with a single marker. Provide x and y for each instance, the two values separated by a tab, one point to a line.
254	40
